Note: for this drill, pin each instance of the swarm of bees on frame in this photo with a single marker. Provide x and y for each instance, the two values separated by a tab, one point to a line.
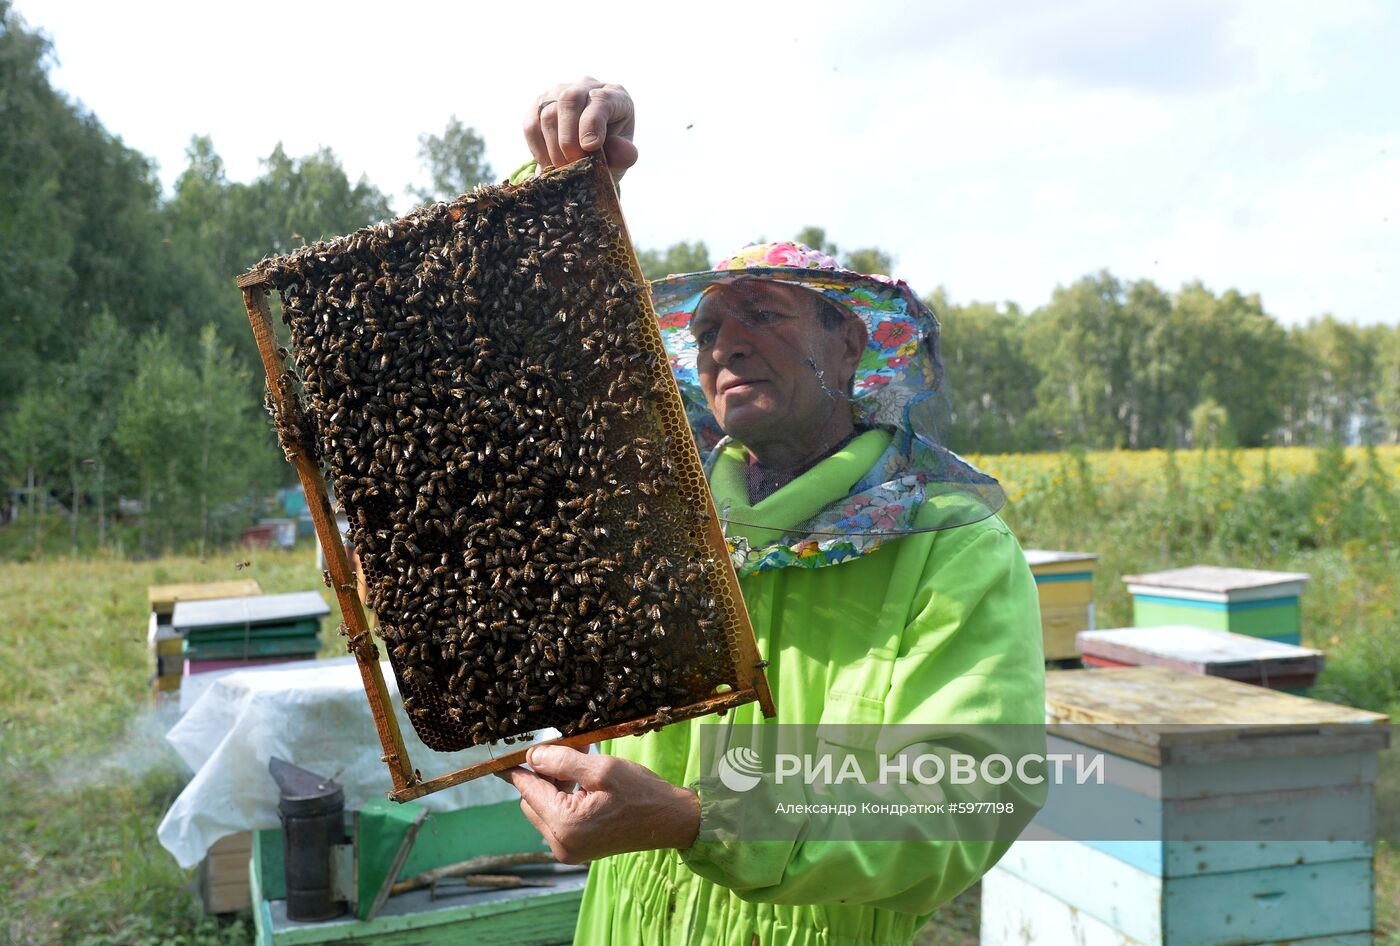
473	385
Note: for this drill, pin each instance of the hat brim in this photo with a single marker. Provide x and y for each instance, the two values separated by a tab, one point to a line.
896	320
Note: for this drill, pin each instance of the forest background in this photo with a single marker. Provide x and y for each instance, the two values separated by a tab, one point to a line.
128	380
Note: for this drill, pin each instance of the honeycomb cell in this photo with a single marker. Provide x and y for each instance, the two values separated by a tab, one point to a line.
488	390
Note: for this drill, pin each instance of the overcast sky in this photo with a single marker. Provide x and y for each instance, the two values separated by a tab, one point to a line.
997	149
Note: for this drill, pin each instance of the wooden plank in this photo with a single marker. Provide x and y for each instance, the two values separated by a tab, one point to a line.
1186	858
223	874
162	598
1216	580
1220	834
1017	913
1050	561
313	485
262	915
302	627
1273	619
1250	906
1280	903
539	915
232	864
239	843
1250	597
264	647
165	684
636	727
1195	649
1066	594
263	609
1162	716
1124	898
268	863
1059	626
1296	684
488	829
161	638
1161	696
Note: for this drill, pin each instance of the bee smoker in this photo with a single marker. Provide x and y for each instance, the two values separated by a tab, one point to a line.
312	809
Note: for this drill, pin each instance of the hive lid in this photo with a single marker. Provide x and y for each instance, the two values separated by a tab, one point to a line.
1197	648
1162	716
263	609
1035	557
1216	580
163	597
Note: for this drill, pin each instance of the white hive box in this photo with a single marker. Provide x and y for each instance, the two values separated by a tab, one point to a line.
1230	814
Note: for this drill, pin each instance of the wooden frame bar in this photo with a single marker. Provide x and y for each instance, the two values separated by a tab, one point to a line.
408	783
342	578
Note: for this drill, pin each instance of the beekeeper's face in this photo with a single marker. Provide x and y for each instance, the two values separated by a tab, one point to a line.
774	360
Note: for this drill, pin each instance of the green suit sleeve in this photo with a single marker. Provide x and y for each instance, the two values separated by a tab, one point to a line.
970	656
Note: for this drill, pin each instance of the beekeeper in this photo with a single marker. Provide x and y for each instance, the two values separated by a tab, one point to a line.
882	586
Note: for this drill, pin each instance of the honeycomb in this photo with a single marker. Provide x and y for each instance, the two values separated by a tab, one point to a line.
484	384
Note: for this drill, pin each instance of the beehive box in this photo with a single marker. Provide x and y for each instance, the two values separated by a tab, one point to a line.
223	874
164	642
282	626
535	915
1240	600
1230	814
1192	649
1065	583
485	385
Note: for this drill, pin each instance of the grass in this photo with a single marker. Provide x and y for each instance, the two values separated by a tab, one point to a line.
85	775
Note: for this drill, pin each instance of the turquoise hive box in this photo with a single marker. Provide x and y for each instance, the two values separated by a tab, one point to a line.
1227	814
1239	600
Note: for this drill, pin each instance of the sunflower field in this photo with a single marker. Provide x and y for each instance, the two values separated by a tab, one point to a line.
1331	512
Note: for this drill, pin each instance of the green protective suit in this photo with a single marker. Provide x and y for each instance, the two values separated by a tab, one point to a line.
932	628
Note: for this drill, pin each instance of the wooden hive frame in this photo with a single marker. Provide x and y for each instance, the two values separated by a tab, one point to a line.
752	684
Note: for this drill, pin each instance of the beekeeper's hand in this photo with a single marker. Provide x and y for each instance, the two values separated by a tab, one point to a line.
577	118
619	806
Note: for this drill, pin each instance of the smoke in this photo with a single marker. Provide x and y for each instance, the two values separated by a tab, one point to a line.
139	752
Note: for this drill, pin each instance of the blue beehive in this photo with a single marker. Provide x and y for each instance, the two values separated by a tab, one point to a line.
1230	814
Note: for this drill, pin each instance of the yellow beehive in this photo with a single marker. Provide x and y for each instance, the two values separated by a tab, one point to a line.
1065	582
165	643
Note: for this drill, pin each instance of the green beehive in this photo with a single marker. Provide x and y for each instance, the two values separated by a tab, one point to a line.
1239	600
266	626
395	841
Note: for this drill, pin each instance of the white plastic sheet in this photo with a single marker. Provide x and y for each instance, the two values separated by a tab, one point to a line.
313	714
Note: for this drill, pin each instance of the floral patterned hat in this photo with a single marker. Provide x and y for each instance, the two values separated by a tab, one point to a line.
901	364
917	484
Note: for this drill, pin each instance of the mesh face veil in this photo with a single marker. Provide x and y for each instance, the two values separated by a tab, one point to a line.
818	418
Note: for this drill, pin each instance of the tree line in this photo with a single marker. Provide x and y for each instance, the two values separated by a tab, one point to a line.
130	388
1108	363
